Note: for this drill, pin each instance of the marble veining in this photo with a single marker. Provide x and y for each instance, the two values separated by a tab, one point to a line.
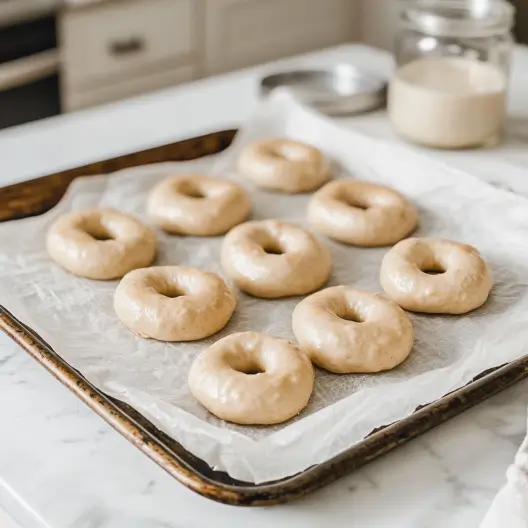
62	466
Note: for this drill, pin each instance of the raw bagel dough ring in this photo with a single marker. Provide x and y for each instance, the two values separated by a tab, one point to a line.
361	213
199	205
284	165
100	243
272	259
346	330
252	378
173	303
463	284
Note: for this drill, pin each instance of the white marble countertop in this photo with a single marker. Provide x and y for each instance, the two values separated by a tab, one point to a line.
62	466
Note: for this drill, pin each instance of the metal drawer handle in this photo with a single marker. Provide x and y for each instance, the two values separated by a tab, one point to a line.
129	46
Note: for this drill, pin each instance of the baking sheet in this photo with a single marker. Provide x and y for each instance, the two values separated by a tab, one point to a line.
76	318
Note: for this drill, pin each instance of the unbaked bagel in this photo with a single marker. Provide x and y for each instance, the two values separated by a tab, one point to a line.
272	259
284	165
100	243
199	205
435	276
252	378
173	303
361	213
346	330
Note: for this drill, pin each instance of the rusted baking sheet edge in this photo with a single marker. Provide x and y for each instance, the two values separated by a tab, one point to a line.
286	490
39	195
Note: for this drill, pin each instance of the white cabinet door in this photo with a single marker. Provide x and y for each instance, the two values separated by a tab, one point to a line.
119	49
118	40
241	33
153	80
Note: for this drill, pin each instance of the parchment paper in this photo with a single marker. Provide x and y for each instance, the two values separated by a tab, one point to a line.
75	315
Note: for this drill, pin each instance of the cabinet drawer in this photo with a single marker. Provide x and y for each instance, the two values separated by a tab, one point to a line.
76	99
123	37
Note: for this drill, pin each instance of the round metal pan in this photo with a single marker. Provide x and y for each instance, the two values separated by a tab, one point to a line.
340	90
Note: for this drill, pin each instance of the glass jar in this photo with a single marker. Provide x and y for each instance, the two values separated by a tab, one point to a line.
452	56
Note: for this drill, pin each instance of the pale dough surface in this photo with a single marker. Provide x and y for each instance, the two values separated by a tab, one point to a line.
173	303
464	283
345	330
197	204
284	165
272	259
252	378
100	244
361	213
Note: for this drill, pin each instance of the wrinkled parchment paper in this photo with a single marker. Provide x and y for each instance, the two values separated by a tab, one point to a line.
76	318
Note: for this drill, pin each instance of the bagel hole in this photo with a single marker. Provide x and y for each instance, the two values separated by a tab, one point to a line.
252	371
435	269
99	233
351	316
353	201
276	154
273	247
171	292
192	191
249	369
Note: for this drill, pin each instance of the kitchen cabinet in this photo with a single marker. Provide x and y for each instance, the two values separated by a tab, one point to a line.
119	49
240	33
379	22
115	49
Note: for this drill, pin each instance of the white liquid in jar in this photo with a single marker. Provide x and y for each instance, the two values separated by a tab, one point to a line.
448	102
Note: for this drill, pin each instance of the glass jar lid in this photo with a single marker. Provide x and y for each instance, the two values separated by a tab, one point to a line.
458	18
